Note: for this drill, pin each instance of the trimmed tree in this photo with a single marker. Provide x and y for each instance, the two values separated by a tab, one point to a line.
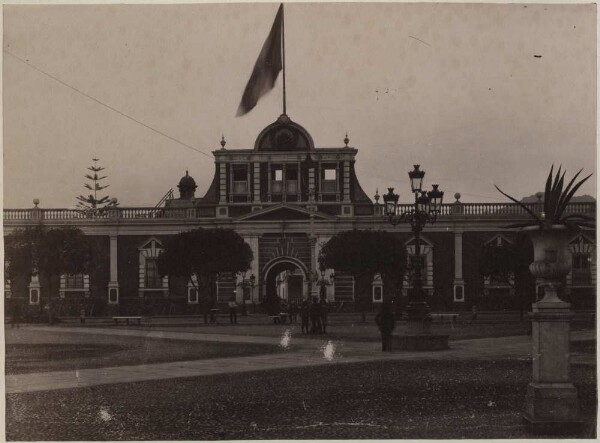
201	255
49	254
363	254
509	264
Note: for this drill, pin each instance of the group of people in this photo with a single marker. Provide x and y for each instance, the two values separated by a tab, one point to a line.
314	316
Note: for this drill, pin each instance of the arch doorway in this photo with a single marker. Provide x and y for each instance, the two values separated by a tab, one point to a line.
285	279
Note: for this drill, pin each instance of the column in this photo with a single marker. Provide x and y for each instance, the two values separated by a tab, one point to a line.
256	187
459	283
222	209
222	183
312	290
113	283
319	173
253	243
346	195
269	181
283	184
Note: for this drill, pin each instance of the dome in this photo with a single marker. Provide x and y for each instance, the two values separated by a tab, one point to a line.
284	135
187	186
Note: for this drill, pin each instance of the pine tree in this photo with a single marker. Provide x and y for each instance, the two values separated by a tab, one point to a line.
92	204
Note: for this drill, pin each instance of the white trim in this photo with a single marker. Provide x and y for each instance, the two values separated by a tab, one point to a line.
498	239
377	283
190	287
456	299
34	288
116	291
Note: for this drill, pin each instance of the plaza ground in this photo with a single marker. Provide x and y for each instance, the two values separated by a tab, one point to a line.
181	379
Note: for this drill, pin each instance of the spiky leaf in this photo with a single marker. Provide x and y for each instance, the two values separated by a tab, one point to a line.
570	195
529	211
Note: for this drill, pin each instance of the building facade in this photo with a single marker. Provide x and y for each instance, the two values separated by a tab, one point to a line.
286	198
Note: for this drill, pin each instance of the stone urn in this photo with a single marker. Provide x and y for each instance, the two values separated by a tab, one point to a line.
552	259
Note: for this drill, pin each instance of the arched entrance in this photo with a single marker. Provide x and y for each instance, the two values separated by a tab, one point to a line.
285	278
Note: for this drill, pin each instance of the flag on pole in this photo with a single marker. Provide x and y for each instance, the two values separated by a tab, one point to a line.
266	69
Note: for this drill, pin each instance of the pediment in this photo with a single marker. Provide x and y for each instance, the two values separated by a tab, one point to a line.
284	212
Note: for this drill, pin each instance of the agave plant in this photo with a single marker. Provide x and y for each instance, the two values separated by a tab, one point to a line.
556	200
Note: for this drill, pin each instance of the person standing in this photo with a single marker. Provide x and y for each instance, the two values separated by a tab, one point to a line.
315	320
233	312
386	323
473	314
304	315
323	311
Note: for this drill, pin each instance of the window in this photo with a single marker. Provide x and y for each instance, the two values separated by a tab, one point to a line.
291	181
240	179
149	277
192	295
329	176
416	260
153	279
74	281
277	181
377	294
581	270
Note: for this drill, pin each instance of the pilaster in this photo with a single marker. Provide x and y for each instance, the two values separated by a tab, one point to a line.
459	283
113	283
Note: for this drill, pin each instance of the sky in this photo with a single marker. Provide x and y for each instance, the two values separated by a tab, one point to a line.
477	94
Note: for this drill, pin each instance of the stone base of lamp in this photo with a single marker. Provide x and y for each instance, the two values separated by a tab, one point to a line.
418	336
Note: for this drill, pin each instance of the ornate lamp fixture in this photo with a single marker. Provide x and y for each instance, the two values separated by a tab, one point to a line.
426	207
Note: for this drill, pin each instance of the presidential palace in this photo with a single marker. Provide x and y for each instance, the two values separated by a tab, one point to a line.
286	198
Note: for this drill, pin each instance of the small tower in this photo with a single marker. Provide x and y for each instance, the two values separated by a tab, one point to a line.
187	187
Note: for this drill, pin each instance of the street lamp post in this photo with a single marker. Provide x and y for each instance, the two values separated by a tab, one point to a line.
246	283
426	208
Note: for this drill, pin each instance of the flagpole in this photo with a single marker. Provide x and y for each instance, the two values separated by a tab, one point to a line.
283	50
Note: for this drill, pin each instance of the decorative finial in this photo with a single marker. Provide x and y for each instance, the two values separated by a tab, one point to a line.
457	197
223	142
186	173
376	195
539	196
346	139
36	201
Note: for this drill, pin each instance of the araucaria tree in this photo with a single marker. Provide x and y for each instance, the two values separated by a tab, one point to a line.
204	254
93	204
363	254
47	253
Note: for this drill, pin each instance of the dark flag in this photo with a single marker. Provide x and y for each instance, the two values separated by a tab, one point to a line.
266	69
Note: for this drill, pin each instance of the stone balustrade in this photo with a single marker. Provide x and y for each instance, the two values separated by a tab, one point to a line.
476	210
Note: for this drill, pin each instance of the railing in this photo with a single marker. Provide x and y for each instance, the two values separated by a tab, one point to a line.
477	210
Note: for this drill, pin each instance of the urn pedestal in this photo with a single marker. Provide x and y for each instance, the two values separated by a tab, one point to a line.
551	401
